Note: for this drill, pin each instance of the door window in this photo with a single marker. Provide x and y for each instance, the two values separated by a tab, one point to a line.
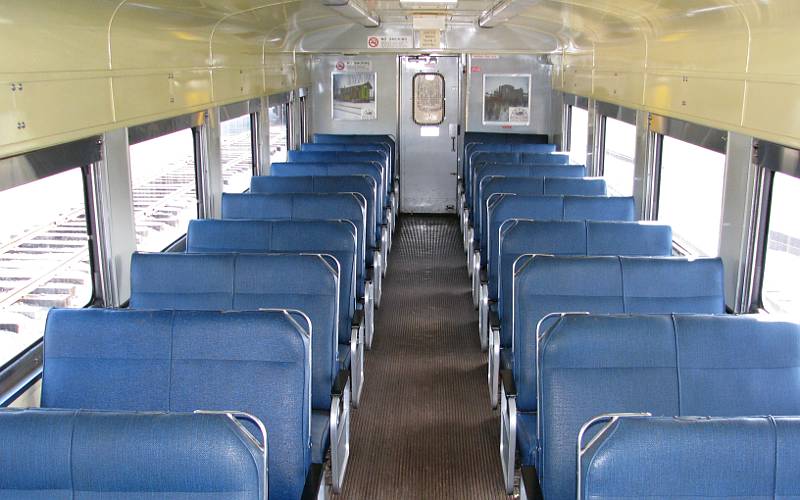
428	95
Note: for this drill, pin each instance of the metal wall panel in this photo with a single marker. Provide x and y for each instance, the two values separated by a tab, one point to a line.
541	98
322	118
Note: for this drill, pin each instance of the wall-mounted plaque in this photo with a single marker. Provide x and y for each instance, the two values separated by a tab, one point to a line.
354	96
507	99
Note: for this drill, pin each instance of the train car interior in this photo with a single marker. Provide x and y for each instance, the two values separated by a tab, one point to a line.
399	249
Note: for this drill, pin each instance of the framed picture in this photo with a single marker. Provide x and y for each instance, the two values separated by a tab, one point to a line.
507	99
353	96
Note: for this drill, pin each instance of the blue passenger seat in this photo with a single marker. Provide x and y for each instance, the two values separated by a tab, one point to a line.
66	454
362	184
691	457
336	238
181	361
666	365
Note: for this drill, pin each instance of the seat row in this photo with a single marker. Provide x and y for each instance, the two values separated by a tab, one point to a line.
550	255
260	325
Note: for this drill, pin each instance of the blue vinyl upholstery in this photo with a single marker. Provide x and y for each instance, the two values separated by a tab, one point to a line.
592	365
481	159
362	184
475	153
332	169
545	284
491	169
335	238
355	147
75	454
181	361
502	207
363	139
379	158
579	238
307	283
304	206
572	186
673	457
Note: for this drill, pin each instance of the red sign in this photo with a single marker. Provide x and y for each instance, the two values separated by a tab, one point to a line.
339	65
373	42
475	69
505	126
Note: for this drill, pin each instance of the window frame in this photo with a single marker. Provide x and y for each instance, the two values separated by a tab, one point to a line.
24	369
771	158
414	98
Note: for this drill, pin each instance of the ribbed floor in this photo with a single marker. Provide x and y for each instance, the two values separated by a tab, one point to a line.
424	428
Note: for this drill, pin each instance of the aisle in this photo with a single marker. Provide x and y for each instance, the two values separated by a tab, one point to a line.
424	428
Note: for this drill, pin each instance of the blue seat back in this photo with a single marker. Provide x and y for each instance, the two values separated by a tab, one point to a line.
338	156
304	206
335	169
363	184
66	454
575	186
536	169
181	361
481	158
357	147
502	207
302	282
673	457
545	284
361	139
474	150
592	365
586	238
471	138
336	238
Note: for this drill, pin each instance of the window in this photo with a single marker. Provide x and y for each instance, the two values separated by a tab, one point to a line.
578	134
164	189
620	149
428	98
44	257
690	195
278	128
780	291
237	154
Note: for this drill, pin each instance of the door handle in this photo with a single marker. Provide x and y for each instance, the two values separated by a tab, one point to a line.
454	144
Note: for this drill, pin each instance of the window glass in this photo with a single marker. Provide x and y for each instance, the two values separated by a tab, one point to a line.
781	287
690	195
164	189
428	99
44	257
277	132
620	149
578	134
237	154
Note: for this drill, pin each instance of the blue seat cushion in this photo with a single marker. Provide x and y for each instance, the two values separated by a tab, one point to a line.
320	435
526	437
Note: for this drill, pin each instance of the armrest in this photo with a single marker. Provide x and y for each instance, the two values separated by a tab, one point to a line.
358	318
530	483
340	384
507	380
494	319
484	275
313	482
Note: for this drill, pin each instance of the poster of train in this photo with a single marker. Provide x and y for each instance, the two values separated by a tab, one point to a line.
354	96
507	99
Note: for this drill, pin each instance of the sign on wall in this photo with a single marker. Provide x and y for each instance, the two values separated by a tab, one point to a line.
354	95
507	99
389	42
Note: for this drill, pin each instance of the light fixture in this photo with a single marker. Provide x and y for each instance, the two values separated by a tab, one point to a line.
352	10
427	4
502	11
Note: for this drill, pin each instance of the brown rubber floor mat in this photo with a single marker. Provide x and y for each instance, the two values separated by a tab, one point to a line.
424	428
